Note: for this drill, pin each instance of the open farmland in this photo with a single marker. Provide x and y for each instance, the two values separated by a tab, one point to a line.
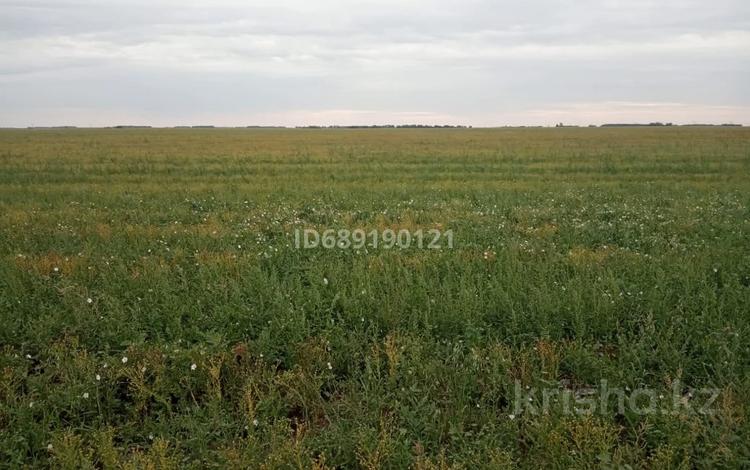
156	311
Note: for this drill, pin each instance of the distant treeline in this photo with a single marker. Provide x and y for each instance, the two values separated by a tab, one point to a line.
653	124
398	126
204	126
388	126
650	124
658	124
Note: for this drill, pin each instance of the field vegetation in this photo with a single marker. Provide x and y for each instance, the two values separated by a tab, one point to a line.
155	313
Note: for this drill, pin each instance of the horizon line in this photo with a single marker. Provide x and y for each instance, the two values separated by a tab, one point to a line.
380	126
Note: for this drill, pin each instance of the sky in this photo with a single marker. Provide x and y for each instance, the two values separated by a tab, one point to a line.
326	62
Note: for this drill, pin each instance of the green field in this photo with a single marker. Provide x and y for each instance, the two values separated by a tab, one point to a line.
580	255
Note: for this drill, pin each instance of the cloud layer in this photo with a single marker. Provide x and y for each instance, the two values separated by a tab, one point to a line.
295	62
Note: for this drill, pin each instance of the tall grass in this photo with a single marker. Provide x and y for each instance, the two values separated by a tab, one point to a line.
580	255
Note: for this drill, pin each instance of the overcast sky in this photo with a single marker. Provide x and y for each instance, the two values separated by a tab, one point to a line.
298	62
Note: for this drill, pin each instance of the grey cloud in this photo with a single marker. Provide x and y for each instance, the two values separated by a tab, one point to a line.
476	61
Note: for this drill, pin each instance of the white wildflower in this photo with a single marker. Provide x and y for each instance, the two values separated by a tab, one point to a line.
193	366
124	359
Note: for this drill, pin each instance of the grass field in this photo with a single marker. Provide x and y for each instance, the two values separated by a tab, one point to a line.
155	312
